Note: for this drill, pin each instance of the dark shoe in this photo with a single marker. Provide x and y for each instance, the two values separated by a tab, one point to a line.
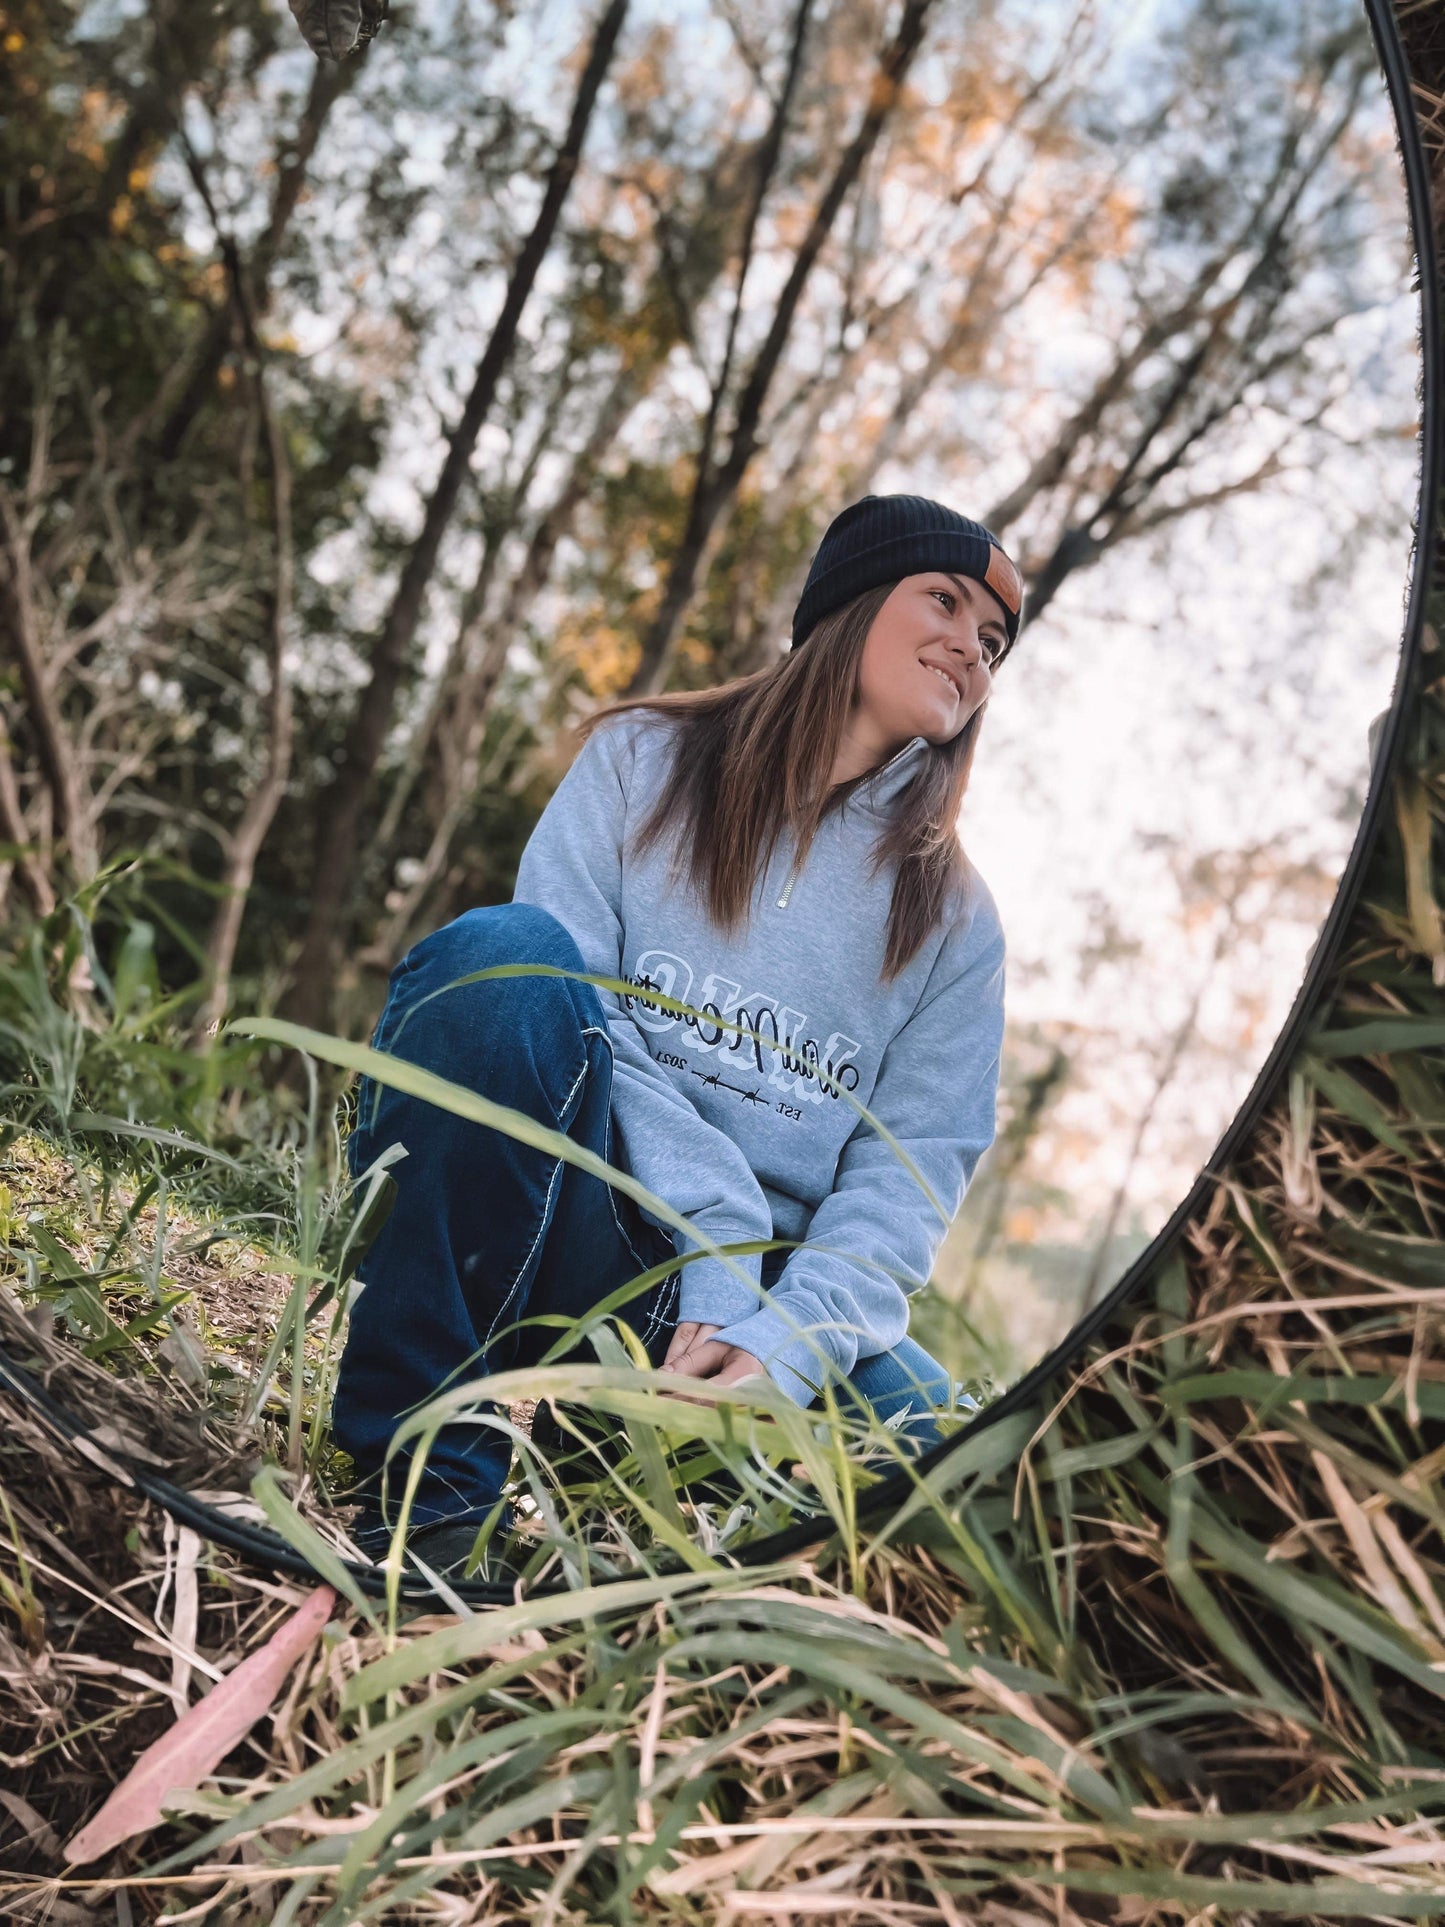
602	1436
444	1544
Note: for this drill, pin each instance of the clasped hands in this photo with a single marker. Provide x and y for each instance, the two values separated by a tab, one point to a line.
695	1353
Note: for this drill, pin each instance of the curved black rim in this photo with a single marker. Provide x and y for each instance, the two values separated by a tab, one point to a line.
264	1548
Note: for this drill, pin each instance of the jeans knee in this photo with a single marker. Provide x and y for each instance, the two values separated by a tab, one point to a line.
513	928
494	933
509	933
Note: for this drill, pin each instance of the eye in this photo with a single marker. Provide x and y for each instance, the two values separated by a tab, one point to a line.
993	644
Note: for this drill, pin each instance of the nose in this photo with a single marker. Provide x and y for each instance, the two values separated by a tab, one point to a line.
970	644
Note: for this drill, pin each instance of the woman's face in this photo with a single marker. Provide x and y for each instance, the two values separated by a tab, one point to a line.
925	665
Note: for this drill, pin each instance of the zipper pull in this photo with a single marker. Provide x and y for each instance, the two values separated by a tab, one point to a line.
787	891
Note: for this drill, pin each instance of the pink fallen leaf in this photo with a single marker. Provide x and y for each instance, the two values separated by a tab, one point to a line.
202	1737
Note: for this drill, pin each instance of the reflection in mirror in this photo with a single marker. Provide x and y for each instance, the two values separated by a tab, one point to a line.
741	363
1218	560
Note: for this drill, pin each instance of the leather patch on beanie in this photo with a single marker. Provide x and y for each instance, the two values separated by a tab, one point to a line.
1004	579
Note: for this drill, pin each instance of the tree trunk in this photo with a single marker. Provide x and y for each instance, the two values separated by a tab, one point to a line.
340	808
59	763
455	718
329	82
451	683
17	831
261	808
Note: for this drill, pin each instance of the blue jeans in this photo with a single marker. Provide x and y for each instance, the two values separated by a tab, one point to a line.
485	1231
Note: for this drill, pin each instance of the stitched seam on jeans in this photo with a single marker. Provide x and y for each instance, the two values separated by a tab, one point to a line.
542	1225
666	1301
597	1030
592	1030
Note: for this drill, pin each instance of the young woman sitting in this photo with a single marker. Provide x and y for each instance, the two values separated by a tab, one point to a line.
781	853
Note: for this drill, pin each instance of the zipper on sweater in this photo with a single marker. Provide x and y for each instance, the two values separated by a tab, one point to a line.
787	891
788	886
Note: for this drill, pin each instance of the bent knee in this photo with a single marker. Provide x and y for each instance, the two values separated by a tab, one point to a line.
509	933
503	933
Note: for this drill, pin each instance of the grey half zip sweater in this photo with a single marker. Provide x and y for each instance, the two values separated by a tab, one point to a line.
745	1139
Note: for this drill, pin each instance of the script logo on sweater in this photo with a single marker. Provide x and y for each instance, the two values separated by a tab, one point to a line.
789	1060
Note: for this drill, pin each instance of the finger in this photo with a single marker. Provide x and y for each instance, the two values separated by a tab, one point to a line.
702	1361
682	1337
693	1364
740	1366
685	1338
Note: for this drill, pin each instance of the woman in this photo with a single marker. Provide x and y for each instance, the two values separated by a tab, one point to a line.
814	892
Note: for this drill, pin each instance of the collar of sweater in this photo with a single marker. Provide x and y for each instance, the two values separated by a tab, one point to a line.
889	778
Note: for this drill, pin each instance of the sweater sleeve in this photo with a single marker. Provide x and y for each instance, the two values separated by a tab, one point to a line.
572	866
936	1091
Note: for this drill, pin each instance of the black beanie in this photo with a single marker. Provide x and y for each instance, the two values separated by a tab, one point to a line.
885	537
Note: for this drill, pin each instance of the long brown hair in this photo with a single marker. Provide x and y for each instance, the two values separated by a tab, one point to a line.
789	719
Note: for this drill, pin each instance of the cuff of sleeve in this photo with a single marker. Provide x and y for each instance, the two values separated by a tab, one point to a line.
711	1293
795	1361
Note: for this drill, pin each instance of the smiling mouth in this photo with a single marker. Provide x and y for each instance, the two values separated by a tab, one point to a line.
942	676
